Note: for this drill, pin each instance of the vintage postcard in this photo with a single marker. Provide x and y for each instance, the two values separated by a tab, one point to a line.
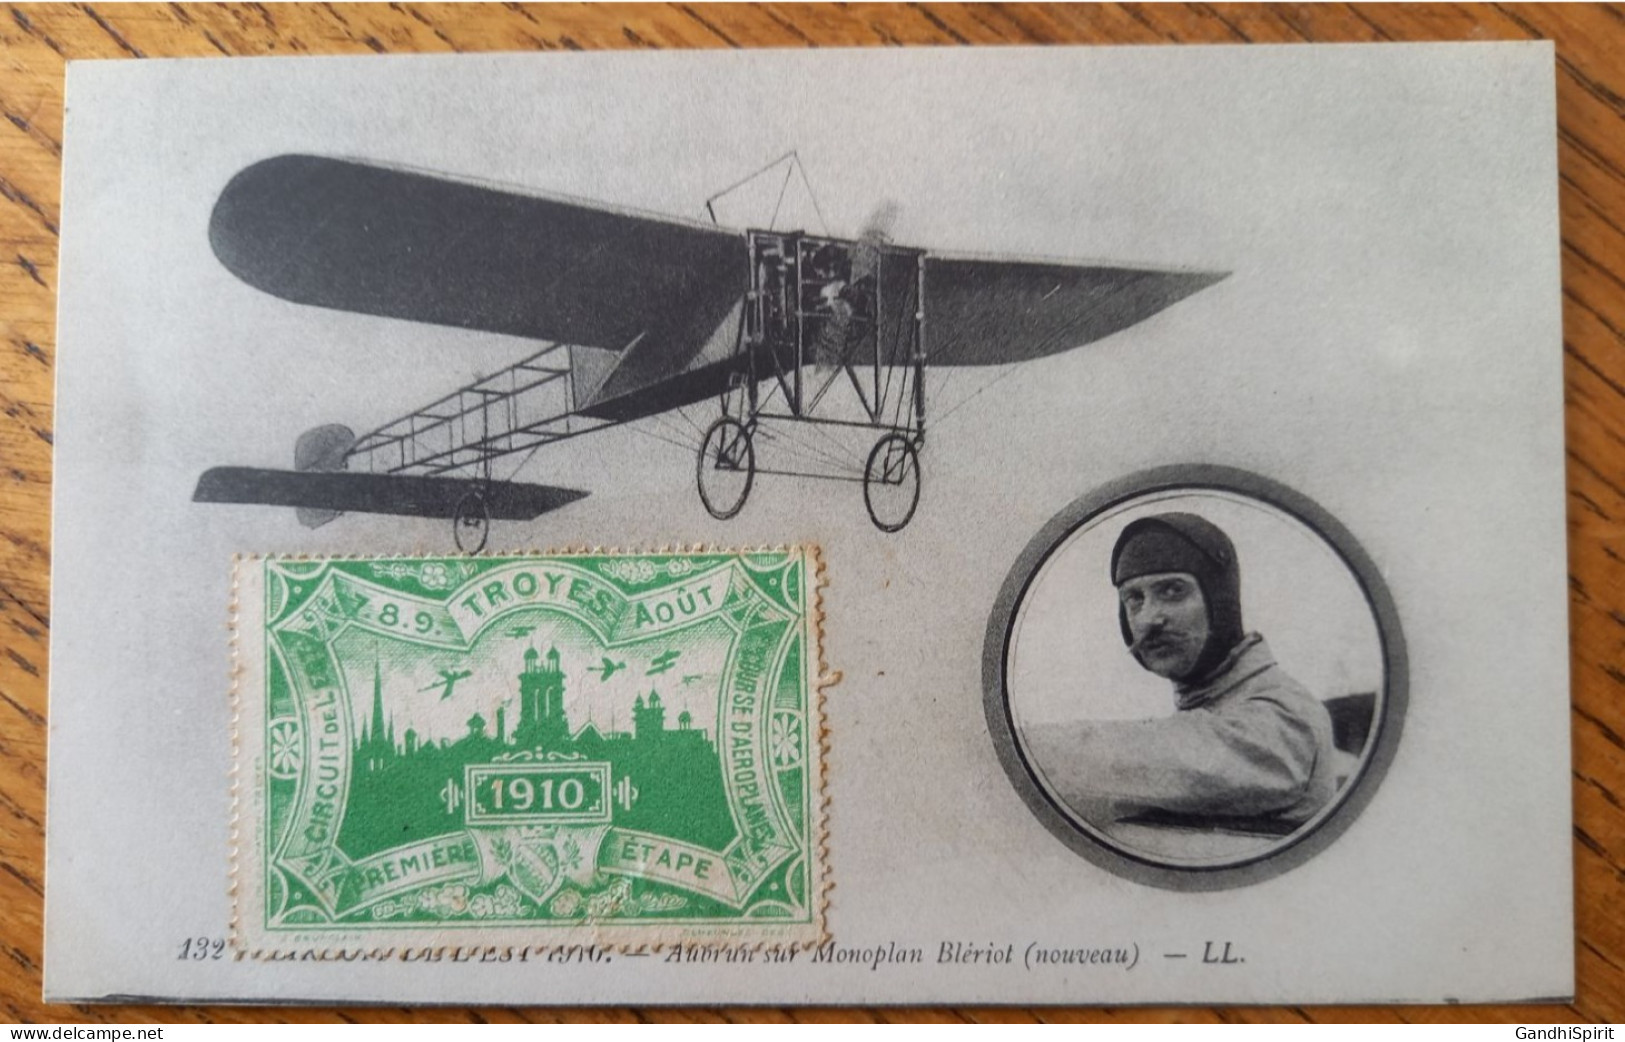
1013	525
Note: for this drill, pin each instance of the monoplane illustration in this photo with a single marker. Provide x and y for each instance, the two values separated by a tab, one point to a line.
606	669
663	663
799	339
448	680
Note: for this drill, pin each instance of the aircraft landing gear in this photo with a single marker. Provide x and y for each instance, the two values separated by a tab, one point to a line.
471	524
726	468
891	482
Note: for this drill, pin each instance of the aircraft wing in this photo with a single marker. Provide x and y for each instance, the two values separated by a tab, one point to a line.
401	244
978	312
657	297
993	312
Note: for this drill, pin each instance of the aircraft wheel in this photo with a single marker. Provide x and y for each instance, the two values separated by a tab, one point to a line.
891	482
471	523
726	468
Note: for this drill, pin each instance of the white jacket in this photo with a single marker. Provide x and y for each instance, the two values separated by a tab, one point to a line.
1250	743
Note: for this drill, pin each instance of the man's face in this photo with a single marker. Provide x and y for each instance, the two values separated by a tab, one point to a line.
1167	618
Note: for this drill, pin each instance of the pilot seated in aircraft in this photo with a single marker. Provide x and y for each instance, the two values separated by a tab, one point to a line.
1248	748
845	303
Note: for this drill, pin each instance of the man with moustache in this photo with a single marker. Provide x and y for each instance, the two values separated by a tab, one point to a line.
1247	746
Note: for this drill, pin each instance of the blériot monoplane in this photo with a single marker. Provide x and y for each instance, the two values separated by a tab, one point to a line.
634	316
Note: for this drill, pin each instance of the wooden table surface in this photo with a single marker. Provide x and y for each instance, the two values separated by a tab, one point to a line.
1591	149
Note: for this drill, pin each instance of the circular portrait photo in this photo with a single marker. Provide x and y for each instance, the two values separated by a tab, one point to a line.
1195	677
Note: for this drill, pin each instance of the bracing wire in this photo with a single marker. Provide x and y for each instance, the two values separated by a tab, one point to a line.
672	430
796	166
526	459
753	175
659	437
976	394
837	452
682	413
783	187
896	335
782	432
810	193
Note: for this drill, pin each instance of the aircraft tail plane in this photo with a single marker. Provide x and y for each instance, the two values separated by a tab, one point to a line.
410	495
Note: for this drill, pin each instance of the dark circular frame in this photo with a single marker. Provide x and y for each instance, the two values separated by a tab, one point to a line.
1297	847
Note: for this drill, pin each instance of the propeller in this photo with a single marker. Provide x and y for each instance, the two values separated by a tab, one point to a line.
876	233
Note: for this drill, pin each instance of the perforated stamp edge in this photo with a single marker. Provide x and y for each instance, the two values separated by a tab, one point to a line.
518	943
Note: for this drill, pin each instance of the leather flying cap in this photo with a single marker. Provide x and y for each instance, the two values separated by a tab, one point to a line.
1178	542
1152	549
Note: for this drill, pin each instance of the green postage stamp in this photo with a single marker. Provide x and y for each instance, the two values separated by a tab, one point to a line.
533	750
